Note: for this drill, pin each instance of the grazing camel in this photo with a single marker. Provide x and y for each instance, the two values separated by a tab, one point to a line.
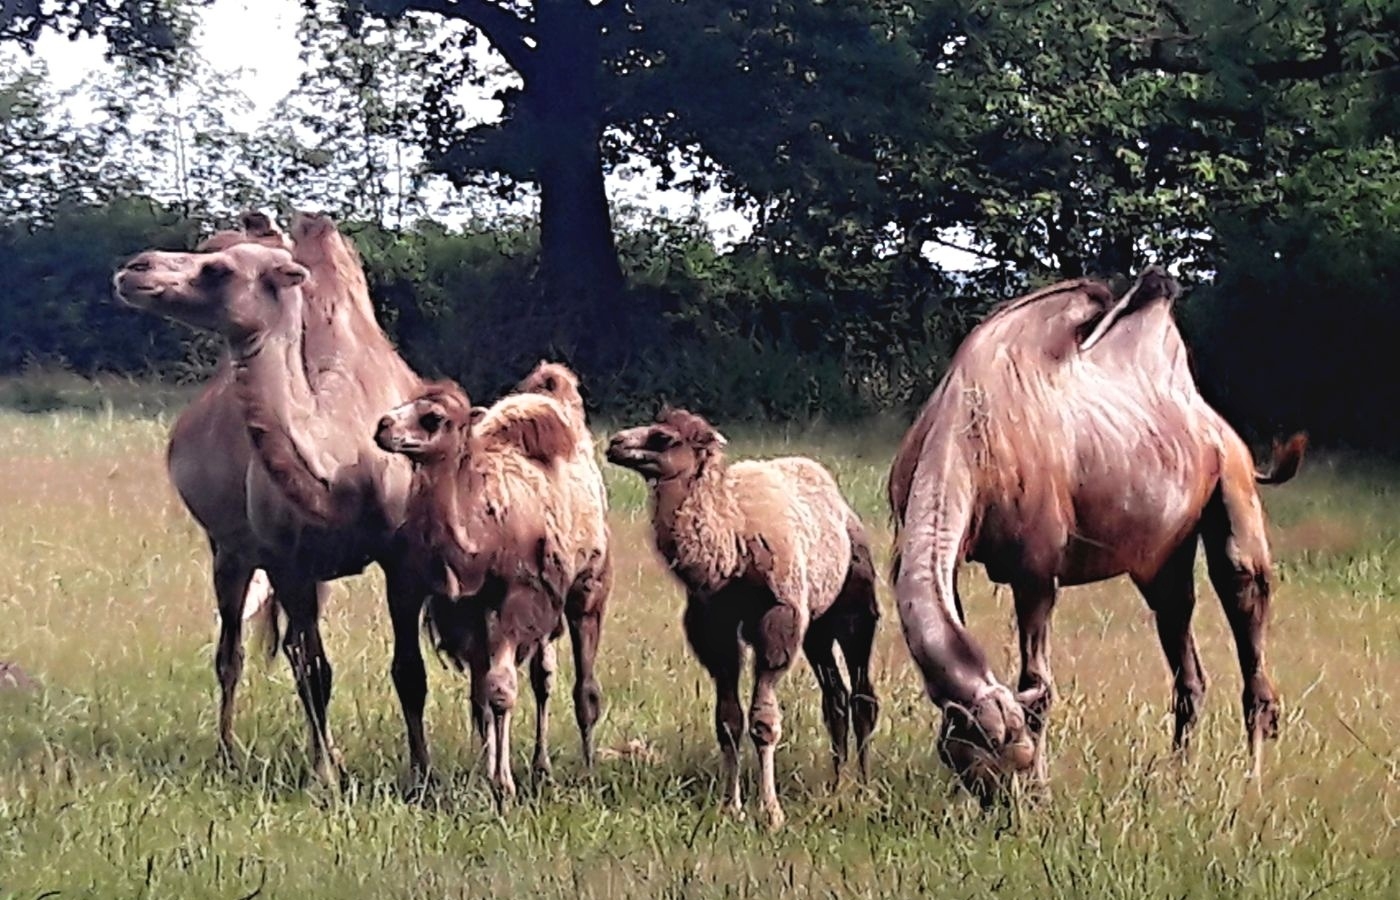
1068	444
503	534
274	459
771	554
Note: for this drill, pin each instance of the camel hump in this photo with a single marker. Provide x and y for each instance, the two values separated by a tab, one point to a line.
1287	460
1153	283
533	424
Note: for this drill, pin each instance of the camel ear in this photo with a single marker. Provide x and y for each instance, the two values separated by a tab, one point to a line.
289	275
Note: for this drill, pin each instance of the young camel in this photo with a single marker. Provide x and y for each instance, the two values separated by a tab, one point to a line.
770	554
503	536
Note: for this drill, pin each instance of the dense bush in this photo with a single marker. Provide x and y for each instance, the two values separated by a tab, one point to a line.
1295	332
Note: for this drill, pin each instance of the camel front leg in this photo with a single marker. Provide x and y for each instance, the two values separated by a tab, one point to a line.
405	599
306	655
500	691
777	638
232	576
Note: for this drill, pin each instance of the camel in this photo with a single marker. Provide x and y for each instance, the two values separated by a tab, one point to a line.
273	459
504	534
770	554
1068	444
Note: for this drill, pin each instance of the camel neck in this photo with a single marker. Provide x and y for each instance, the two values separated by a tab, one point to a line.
690	511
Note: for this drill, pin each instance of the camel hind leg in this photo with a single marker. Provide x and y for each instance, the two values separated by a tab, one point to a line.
836	700
860	615
1171	595
1237	556
1035	607
583	609
542	666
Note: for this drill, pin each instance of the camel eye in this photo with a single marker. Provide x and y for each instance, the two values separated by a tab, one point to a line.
214	272
431	422
659	440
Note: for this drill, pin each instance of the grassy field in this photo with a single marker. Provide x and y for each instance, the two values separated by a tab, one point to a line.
109	785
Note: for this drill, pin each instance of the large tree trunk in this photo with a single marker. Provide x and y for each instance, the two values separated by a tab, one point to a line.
578	255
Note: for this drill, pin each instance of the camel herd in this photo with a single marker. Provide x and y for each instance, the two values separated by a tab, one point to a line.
1066	444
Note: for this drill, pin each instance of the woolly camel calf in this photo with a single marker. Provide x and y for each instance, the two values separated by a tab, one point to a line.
274	459
769	553
1068	444
503	533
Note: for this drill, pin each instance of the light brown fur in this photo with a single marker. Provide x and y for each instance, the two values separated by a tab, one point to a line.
766	549
1067	444
504	534
273	458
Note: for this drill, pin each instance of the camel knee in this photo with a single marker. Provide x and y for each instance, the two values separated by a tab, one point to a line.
228	664
729	722
500	689
1262	709
588	701
765	724
780	633
410	681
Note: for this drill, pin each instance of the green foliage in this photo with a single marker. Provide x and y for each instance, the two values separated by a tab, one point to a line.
58	279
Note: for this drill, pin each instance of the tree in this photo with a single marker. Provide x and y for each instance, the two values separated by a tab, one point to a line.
149	31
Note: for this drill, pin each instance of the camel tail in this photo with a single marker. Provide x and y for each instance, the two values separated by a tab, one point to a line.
260	615
1287	460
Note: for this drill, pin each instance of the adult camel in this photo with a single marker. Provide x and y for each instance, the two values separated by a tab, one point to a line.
274	459
1068	444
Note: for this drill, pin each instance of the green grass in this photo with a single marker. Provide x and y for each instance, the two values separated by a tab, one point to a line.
109	784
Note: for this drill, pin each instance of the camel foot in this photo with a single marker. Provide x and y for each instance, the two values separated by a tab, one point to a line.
423	787
228	757
773	817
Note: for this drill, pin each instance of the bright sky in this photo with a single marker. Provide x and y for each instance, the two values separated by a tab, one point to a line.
258	41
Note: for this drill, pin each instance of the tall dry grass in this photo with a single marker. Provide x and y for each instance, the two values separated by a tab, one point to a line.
109	784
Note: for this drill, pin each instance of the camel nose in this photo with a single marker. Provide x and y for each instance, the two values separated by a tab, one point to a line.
141	262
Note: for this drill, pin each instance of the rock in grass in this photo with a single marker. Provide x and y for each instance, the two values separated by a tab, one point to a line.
13	678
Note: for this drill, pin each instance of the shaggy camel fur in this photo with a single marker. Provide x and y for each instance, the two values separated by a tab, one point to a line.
1068	444
274	458
770	553
559	381
504	533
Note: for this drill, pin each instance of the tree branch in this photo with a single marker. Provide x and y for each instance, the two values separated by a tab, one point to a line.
505	30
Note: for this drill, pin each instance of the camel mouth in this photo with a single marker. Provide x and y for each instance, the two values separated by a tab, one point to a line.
632	458
134	291
390	442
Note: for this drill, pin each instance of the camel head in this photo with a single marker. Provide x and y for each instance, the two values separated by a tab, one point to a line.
242	290
677	444
990	740
553	380
433	427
